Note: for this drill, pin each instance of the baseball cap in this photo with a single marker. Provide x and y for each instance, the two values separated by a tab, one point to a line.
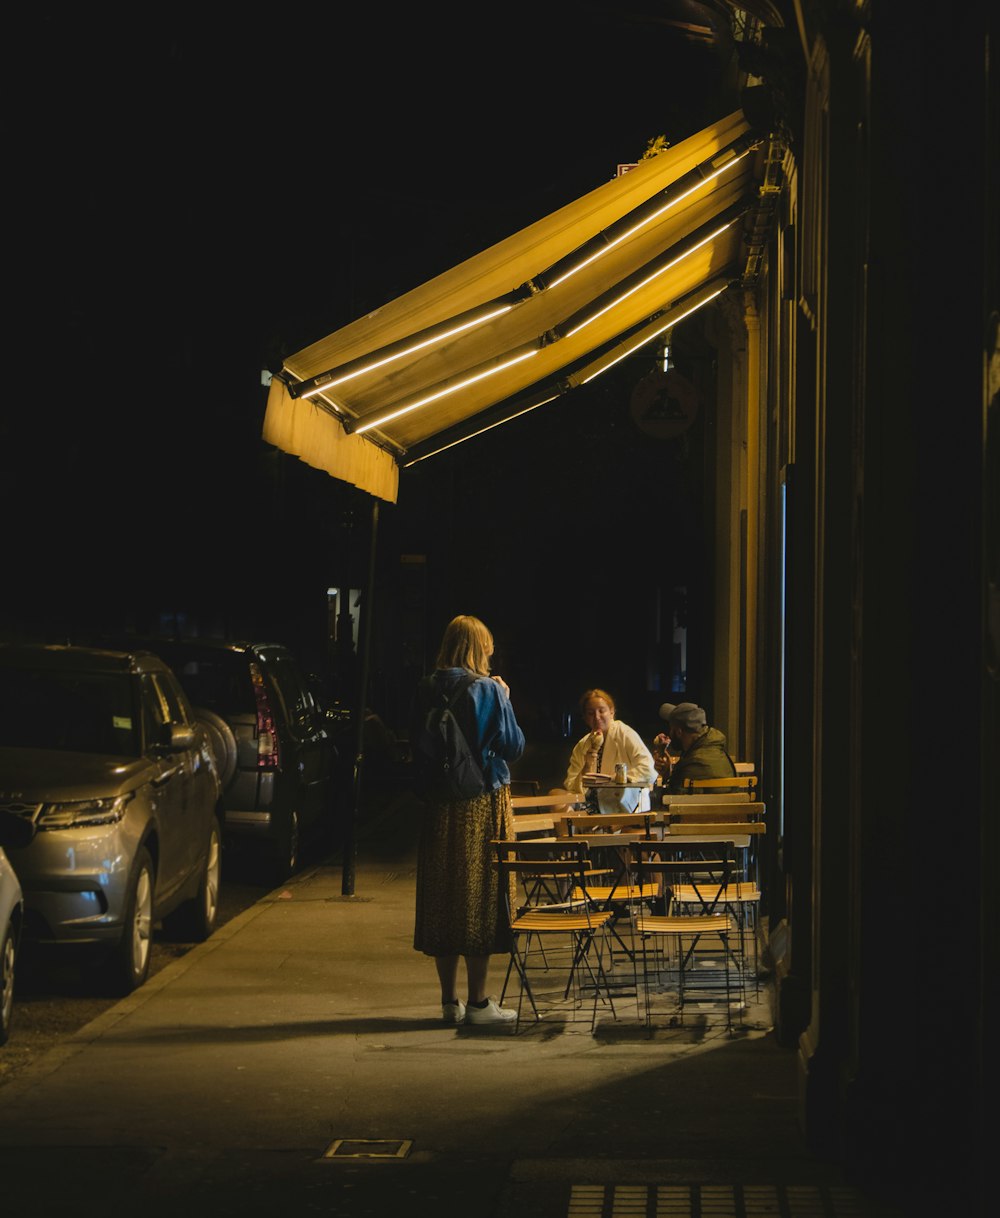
666	710
688	715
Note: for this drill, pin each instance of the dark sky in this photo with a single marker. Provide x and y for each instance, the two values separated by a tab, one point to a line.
201	194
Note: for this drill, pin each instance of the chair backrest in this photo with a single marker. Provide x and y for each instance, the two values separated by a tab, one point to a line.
523	786
708	868
737	812
613	823
732	783
749	828
714	797
529	824
541	868
556	804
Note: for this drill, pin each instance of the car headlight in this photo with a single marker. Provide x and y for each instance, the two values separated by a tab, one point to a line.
79	814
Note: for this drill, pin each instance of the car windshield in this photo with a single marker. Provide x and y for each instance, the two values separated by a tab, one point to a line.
80	712
220	683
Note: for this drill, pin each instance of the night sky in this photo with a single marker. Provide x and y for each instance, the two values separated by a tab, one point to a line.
201	196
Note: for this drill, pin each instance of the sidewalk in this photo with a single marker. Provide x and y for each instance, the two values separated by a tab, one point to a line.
244	1079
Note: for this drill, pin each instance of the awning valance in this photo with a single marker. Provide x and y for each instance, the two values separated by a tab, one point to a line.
526	319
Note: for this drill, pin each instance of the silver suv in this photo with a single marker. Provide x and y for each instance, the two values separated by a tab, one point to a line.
272	740
101	752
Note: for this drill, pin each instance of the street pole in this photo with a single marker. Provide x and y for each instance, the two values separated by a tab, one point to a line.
351	840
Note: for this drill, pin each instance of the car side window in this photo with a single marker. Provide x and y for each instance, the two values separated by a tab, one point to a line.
172	698
163	704
292	688
155	711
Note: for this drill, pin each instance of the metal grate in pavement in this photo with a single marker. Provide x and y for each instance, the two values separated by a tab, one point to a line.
714	1201
368	1148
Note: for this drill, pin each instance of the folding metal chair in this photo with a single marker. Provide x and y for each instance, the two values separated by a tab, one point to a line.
701	972
573	922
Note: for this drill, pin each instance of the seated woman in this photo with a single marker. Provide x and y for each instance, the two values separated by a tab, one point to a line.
609	743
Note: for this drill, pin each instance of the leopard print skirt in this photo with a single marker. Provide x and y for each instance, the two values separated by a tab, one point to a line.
459	911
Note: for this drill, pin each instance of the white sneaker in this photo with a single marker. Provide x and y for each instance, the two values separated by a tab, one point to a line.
453	1012
491	1013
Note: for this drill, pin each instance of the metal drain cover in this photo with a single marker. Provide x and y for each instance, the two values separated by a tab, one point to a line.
368	1148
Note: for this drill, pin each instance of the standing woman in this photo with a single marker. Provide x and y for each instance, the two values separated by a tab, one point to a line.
459	909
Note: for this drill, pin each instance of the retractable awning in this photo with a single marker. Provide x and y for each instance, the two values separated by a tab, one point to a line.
527	319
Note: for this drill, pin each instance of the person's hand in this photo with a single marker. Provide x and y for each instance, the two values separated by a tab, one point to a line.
503	684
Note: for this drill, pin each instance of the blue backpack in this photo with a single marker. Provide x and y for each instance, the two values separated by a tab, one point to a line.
446	766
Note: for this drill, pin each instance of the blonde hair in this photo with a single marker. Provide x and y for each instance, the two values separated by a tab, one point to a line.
467	643
597	693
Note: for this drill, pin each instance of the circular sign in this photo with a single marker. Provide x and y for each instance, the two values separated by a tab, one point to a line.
664	404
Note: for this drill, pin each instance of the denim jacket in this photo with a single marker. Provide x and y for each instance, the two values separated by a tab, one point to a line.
487	718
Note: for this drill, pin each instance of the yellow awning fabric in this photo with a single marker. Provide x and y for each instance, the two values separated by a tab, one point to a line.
534	309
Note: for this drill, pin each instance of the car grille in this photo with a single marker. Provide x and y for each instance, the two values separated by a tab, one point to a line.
19	808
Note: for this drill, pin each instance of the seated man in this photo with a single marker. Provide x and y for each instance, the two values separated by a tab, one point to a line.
664	750
703	748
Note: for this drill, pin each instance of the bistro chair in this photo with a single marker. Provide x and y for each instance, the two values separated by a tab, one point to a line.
689	950
741	900
743	894
574	923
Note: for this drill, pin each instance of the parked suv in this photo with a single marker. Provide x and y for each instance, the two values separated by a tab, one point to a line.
13	831
101	752
273	743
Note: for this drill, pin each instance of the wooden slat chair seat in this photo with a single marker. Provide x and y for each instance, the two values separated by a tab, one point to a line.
740	891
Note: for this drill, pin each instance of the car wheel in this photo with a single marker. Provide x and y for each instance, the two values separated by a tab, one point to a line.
223	743
128	966
8	955
195	920
285	848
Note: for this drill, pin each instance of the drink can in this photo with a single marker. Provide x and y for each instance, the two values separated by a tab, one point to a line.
621	773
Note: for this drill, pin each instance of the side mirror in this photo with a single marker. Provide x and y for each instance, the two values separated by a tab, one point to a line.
176	737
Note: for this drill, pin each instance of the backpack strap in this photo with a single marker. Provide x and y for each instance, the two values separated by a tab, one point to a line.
449	704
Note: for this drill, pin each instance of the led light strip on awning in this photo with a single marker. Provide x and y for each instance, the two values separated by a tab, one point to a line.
648	213
559	272
443	389
573	325
659	325
521	405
